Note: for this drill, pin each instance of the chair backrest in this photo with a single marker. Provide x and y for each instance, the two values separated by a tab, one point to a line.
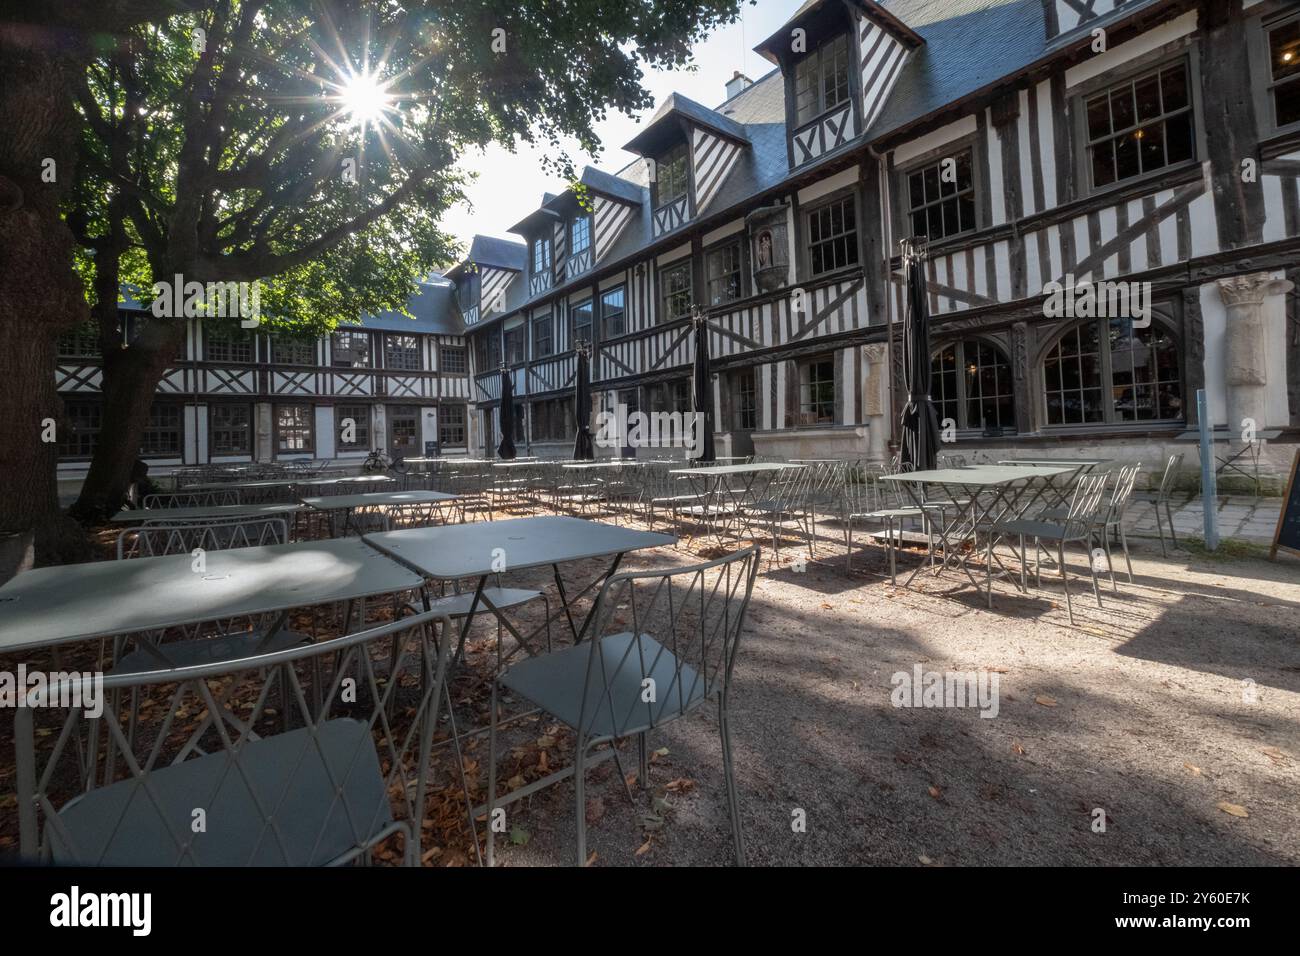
1122	492
1085	506
679	628
189	767
951	461
192	499
152	540
1167	479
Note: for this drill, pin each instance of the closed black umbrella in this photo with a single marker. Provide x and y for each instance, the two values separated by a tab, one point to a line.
920	434
702	388
506	417
583	449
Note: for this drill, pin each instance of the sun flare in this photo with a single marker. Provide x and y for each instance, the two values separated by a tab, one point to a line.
365	99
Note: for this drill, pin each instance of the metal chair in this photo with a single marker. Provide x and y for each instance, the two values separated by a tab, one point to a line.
1078	527
192	499
664	644
874	500
788	498
153	540
230	790
1112	522
1163	501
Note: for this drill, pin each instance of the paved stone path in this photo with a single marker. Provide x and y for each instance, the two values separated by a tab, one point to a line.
1240	517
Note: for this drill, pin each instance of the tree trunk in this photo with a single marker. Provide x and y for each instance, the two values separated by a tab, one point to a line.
40	294
130	382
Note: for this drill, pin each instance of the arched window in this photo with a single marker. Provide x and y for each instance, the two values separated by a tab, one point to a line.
1105	371
971	384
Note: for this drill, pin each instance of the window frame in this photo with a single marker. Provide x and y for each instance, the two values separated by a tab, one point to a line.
805	239
351	334
661	298
278	431
808	363
389	352
462	355
514	344
820	109
962	398
1136	69
214	450
363	427
89	435
590	304
919	164
462	425
738	393
543	248
232	335
545	321
583	219
669	160
1170	326
175	450
79	336
294	344
723	246
605	332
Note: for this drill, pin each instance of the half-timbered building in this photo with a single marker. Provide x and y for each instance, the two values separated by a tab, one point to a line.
1145	148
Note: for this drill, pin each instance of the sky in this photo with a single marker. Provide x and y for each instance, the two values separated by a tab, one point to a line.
510	186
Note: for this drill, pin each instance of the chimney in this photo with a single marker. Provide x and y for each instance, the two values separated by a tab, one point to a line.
738	82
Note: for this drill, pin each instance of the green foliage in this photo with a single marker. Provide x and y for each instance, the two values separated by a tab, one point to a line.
225	155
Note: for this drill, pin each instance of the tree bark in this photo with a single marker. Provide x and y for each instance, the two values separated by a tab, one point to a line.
40	294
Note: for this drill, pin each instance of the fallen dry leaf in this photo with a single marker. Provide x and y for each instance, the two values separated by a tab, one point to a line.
643	849
936	792
1275	755
925	860
681	785
1232	810
591	859
1045	700
595	810
1017	748
1193	768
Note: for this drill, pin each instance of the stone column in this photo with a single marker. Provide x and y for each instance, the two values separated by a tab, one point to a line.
1246	367
875	403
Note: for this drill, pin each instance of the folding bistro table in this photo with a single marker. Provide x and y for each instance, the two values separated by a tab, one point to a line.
1056	491
721	501
481	549
979	496
201	512
349	504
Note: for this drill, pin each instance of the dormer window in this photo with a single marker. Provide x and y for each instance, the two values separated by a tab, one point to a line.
821	80
541	256
670	176
579	235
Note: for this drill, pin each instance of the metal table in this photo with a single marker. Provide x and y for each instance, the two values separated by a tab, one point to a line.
481	549
200	512
349	504
979	496
74	602
721	502
1057	491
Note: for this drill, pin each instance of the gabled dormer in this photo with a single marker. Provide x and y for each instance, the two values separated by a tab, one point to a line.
540	229
690	150
840	59
485	278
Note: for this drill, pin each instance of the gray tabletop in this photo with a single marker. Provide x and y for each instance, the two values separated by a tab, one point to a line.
102	598
140	515
616	463
243	485
733	469
978	474
485	547
1071	462
342	502
350	480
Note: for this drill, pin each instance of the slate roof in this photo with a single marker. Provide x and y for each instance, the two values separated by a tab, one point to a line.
433	309
495	253
646	141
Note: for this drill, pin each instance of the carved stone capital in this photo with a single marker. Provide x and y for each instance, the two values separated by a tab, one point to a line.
1253	289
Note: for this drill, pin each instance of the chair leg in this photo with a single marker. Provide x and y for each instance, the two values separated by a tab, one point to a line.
729	773
1096	588
492	777
892	547
1173	535
579	781
1024	570
848	545
1123	540
1065	579
1160	530
643	771
1110	561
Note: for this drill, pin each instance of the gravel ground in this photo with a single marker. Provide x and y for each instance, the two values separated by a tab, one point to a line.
1175	711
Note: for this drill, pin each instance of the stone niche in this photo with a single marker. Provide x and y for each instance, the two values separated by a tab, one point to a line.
769	247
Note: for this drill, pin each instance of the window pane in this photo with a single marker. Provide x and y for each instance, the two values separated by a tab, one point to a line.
1151	145
1173	88
1127	163
1098	117
1284	50
1121	108
1148	98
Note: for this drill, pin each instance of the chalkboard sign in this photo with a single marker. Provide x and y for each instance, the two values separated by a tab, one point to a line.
1287	534
430	449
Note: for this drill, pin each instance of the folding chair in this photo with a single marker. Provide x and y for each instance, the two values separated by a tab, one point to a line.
228	790
1163	497
664	644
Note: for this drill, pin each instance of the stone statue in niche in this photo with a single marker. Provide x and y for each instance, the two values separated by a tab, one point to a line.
770	248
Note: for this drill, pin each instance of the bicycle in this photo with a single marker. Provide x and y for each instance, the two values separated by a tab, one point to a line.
377	461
